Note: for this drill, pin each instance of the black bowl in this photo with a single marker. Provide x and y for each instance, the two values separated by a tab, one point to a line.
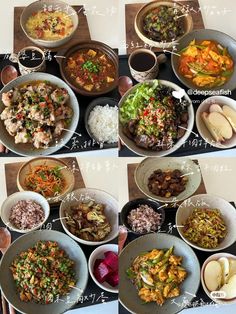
134	204
101	101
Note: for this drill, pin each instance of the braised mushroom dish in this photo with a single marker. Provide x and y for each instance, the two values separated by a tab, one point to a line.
167	183
88	221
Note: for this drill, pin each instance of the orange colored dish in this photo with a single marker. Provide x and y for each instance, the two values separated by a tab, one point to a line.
206	63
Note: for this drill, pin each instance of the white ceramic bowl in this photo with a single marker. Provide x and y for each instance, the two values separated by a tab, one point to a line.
202	129
215	257
38	6
227	210
150	153
186	165
98	253
111	211
19	196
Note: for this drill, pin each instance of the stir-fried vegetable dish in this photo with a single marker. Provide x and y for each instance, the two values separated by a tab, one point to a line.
153	118
46	180
91	70
88	221
157	275
164	24
206	63
43	272
205	227
36	112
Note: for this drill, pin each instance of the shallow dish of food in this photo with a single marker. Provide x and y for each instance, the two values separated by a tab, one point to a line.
168	180
103	267
25	211
39	114
63	274
101	121
49	23
142	216
205	60
216	121
90	68
139	269
152	120
218	278
207	222
90	216
162	23
47	176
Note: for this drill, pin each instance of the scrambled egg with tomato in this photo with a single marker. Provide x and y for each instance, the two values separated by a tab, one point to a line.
206	64
157	275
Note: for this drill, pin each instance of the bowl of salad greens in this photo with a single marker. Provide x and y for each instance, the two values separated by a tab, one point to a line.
153	119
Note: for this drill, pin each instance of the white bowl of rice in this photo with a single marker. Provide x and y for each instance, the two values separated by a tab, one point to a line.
101	121
25	211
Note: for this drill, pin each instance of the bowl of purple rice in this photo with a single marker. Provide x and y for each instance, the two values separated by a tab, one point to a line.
25	211
142	216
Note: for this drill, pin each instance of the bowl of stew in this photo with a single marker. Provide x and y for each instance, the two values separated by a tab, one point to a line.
90	68
162	23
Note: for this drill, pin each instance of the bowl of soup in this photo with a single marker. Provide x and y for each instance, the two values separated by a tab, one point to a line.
90	68
49	23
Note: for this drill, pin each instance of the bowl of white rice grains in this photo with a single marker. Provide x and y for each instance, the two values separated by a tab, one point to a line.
101	121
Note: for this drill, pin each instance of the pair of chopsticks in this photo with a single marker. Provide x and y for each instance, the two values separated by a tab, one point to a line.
11	310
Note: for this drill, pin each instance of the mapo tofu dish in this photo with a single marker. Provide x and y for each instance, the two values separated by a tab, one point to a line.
157	275
88	221
91	70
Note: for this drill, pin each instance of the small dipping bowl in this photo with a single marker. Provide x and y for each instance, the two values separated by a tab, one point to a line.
8	74
124	84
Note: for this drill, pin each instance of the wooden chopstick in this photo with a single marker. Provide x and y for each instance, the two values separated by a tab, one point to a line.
4	305
11	309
